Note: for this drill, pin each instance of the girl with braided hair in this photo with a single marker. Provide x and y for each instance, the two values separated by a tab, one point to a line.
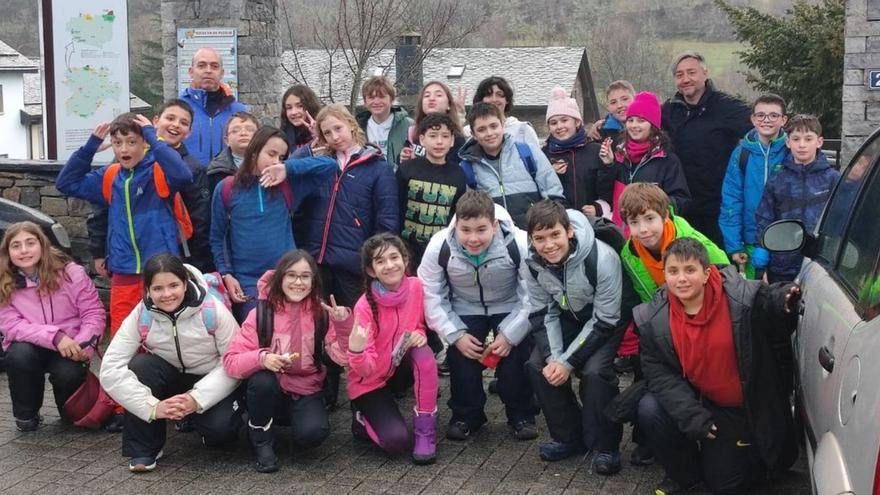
389	330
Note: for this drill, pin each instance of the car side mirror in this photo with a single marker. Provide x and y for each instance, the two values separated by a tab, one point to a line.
784	236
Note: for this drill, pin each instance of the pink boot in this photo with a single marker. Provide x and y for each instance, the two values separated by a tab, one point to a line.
425	437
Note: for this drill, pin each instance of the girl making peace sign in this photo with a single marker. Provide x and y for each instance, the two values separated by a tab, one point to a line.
279	351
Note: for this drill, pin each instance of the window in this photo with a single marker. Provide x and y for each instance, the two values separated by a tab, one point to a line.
1	99
837	213
455	72
857	260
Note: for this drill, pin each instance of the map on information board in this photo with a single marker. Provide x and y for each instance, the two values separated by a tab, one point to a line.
90	39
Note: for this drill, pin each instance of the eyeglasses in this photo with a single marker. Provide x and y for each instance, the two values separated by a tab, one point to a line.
304	278
242	130
772	116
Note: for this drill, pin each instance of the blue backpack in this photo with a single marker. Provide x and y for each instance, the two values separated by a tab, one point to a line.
525	154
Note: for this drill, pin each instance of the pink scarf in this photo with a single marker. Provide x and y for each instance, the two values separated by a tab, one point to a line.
635	151
391	298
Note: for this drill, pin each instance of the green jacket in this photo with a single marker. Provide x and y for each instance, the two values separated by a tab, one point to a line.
642	281
397	136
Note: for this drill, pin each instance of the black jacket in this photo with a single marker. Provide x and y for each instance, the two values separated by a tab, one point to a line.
221	167
586	180
196	197
703	136
759	320
661	168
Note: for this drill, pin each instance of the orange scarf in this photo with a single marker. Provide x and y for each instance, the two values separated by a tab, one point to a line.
654	265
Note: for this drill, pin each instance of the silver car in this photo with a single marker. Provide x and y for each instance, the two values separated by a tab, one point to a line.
837	345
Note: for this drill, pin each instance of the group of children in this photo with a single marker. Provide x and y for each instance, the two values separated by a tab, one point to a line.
519	268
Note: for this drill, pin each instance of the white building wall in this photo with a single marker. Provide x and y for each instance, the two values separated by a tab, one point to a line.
13	135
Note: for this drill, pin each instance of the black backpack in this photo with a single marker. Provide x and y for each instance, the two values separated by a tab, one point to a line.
265	322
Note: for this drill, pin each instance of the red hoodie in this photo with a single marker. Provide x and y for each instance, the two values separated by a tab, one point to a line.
704	344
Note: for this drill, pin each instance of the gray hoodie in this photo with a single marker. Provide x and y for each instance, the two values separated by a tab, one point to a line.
492	288
597	307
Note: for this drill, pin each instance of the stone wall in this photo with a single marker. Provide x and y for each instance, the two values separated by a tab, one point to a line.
861	106
32	183
259	46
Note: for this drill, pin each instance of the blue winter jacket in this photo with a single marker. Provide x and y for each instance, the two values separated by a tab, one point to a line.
141	224
251	233
741	192
206	139
350	206
795	192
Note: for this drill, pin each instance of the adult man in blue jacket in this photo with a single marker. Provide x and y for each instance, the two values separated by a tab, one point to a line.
212	103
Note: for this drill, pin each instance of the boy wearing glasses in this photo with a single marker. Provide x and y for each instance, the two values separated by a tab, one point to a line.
757	157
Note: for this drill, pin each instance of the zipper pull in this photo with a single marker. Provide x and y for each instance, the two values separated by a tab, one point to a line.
357	222
564	302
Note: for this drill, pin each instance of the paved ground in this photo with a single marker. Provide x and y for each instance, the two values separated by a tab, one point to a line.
65	460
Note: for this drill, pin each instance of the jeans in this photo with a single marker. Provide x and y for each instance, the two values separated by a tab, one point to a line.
468	398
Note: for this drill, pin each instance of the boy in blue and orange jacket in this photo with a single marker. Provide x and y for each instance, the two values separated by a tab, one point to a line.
141	219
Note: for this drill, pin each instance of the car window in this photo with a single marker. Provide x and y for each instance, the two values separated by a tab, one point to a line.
860	247
837	214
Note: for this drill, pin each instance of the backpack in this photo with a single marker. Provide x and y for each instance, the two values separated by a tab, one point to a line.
266	318
443	257
179	210
743	160
525	154
216	293
226	192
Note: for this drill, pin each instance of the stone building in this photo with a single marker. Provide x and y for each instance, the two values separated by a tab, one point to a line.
861	103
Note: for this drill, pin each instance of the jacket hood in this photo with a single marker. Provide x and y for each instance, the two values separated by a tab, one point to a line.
819	165
505	230
263	284
397	111
582	241
196	291
473	152
752	142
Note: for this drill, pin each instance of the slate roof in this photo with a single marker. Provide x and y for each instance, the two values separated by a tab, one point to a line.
11	60
33	97
532	71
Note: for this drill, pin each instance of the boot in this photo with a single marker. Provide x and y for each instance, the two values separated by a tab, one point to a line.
425	436
263	442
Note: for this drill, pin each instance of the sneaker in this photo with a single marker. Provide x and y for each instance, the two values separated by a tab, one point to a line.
458	430
607	462
670	487
144	464
443	366
642	455
524	430
358	429
557	451
116	424
28	424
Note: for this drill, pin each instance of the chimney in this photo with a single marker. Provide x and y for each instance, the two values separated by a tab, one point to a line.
408	67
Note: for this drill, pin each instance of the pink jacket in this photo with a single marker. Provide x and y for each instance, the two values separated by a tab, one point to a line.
399	311
294	332
42	319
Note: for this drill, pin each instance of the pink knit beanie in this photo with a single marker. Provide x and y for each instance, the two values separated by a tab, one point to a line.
647	106
561	104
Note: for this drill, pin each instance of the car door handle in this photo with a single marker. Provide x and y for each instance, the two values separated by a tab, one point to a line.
826	359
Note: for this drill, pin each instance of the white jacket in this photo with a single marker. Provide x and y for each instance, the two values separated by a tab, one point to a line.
200	350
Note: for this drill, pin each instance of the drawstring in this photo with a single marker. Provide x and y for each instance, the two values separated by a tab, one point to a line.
260	195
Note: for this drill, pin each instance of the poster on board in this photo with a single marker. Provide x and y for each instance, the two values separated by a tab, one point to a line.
224	40
90	78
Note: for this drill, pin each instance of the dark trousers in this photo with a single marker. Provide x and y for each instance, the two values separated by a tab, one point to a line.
346	289
380	410
466	379
728	464
305	414
570	422
217	426
26	367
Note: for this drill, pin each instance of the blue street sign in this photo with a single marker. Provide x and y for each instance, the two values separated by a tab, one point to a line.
874	79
